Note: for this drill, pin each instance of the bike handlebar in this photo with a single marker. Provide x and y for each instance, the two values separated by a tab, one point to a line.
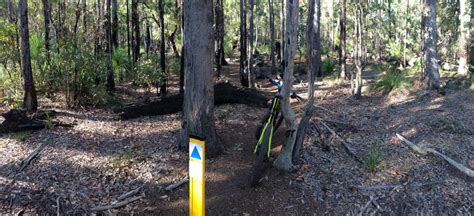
280	86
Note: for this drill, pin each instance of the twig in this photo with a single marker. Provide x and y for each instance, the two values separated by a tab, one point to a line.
57	206
424	151
323	108
174	186
344	143
31	157
366	206
117	204
376	187
130	193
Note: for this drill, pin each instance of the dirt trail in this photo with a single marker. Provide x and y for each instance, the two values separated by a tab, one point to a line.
101	158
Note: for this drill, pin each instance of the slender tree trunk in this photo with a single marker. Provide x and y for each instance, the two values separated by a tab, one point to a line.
430	57
163	87
110	85
115	24
97	46
314	63
84	18
136	32
284	160
47	20
272	35
198	107
360	58
128	29
342	41
30	102
405	34
243	43
464	36
250	76
147	37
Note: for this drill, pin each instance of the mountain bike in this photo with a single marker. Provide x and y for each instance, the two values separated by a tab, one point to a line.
264	134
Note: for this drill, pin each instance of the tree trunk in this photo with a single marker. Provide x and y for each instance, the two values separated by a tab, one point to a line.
342	41
284	160
164	81
464	36
250	76
431	76
147	37
110	85
97	46
128	29
181	70
47	21
136	30
84	17
272	35
359	58
282	30
219	40
243	43
30	102
198	108
314	63
115	24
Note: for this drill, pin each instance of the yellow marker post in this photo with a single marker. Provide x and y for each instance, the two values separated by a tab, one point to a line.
197	158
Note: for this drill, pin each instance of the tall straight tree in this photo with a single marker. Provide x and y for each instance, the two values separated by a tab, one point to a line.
198	107
282	30
30	102
136	31
243	43
219	40
342	41
128	28
359	51
115	24
314	63
108	46
161	9
272	34
464	36
430	74
250	77
284	160
47	21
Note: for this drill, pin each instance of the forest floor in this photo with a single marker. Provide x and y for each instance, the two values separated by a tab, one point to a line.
101	158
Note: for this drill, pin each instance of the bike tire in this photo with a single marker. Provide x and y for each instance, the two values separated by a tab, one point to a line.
261	164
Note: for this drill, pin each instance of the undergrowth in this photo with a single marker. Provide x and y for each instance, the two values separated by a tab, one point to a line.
393	79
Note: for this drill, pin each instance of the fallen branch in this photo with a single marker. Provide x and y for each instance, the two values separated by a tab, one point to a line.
176	185
57	206
424	151
117	204
130	193
323	108
362	212
31	157
376	187
344	143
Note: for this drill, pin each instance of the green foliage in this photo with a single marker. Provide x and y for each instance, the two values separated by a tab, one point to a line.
393	79
329	69
11	92
121	64
147	72
8	45
395	49
373	159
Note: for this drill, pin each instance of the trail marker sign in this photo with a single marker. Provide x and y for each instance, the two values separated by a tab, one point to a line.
197	158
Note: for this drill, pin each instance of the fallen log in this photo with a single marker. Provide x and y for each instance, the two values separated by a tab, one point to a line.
424	151
224	93
31	157
176	185
18	120
344	143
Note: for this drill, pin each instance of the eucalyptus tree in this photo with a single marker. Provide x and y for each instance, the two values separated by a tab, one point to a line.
464	36
430	74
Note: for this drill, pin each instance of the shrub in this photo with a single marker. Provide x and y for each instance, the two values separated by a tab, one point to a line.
393	79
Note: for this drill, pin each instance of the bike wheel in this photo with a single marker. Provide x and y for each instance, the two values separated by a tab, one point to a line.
261	164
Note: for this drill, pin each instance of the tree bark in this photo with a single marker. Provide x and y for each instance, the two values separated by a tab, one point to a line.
110	84
30	102
128	29
314	63
243	43
359	58
284	160
464	36
342	41
198	108
272	34
250	76
219	40
136	32
181	70
282	30
164	81
431	76
47	21
115	24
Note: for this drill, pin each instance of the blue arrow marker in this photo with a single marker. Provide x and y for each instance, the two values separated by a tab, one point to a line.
195	154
